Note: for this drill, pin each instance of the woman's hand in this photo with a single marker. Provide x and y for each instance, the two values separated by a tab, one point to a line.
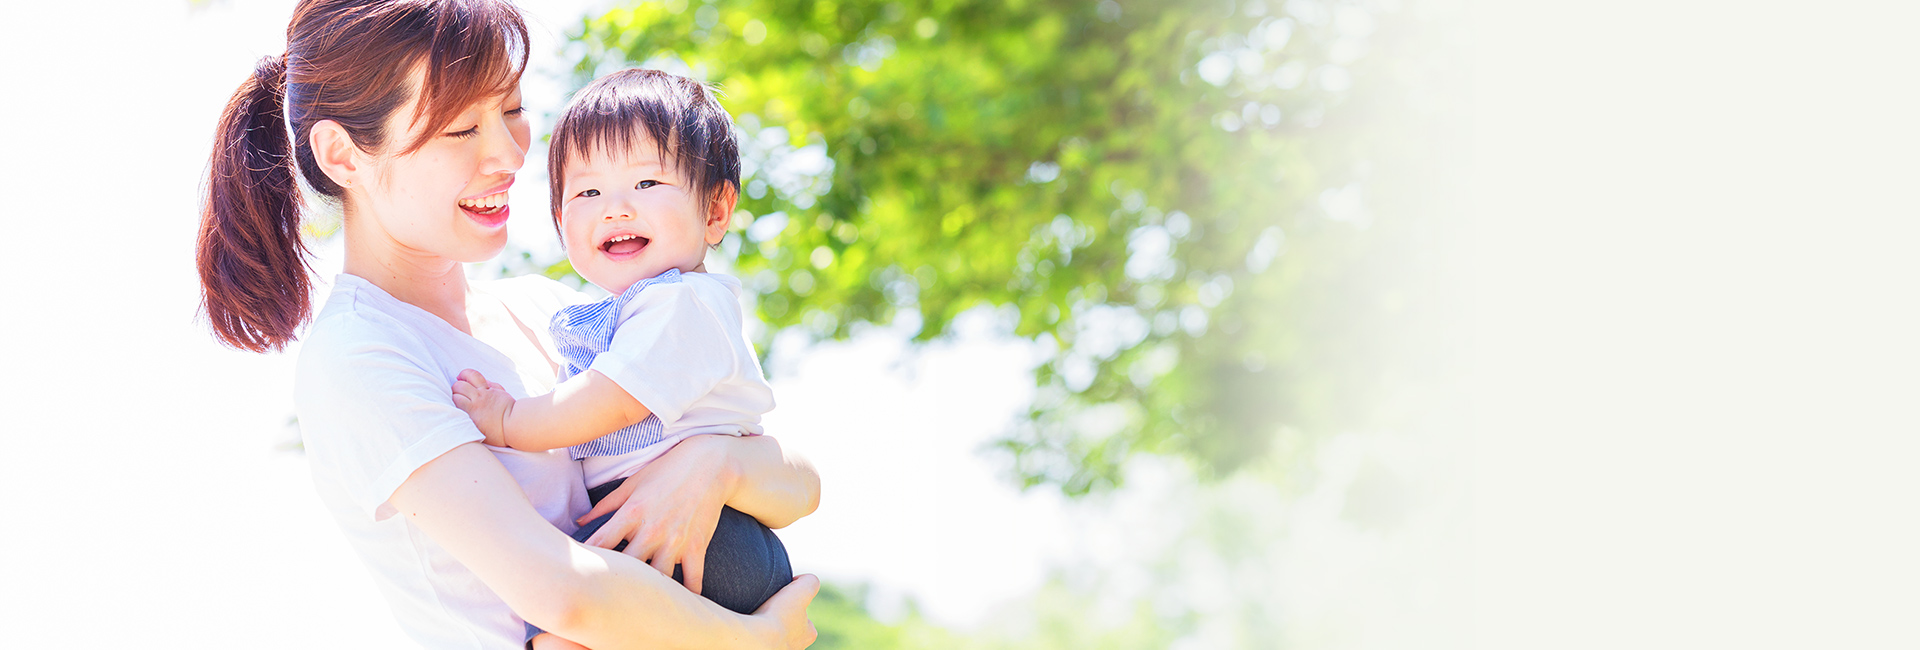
787	608
672	520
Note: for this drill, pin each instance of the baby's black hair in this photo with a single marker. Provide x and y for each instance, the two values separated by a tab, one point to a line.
623	109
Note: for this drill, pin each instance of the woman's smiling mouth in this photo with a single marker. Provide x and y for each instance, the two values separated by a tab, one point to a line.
486	204
489	210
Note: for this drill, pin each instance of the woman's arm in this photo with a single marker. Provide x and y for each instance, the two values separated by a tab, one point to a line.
754	474
774	485
668	509
468	503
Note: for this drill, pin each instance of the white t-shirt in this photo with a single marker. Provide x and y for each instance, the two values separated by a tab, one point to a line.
682	352
373	390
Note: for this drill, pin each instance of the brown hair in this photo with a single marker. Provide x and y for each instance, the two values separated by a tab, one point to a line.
680	115
349	61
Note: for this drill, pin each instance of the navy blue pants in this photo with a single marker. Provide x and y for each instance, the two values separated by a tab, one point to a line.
746	563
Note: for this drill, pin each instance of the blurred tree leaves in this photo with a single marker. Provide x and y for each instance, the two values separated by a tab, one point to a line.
1179	198
1053	617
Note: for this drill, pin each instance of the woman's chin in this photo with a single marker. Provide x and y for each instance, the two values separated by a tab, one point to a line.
480	247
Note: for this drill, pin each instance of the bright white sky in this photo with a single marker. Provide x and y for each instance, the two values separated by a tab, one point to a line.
147	480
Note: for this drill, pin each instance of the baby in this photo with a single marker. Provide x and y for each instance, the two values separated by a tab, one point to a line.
645	174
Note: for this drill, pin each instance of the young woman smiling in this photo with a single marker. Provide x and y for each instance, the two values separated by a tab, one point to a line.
407	113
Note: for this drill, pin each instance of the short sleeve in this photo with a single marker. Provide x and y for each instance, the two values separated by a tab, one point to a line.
673	351
371	411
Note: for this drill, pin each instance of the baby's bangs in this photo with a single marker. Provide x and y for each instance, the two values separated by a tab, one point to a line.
479	50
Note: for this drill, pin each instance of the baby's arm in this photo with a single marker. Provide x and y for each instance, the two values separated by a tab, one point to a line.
580	409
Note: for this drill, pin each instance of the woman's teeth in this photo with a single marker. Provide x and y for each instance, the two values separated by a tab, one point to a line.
485	203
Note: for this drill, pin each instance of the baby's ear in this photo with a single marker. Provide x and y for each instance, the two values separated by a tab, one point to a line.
720	212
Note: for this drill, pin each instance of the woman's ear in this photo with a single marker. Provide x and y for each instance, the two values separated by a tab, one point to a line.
720	212
335	152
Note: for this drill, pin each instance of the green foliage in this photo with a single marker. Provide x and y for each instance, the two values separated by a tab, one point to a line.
842	621
1054	617
1173	194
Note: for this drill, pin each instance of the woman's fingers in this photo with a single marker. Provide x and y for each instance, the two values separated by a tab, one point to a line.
791	598
693	567
788	608
612	502
664	557
605	506
617	528
472	376
645	551
663	562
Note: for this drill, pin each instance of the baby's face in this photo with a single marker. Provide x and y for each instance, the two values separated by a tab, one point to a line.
629	216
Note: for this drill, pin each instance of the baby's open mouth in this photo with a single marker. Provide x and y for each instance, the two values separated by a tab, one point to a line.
488	204
624	244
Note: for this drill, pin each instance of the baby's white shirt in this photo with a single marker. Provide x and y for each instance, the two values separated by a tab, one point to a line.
681	350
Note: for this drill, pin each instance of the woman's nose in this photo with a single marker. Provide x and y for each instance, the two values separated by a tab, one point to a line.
505	151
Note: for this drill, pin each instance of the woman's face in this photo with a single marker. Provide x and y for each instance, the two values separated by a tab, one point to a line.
449	198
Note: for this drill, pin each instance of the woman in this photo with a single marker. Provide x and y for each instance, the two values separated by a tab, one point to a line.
407	112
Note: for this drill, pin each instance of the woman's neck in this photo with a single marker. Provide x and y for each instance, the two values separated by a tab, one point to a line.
435	284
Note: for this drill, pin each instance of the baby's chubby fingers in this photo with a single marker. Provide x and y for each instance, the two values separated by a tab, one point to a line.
465	394
472	376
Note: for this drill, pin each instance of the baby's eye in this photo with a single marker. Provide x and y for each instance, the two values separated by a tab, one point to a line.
645	184
588	193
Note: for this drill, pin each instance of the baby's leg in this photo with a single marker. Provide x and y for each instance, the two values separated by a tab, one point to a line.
746	563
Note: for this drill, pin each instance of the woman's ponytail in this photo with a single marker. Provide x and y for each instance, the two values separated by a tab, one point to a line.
253	264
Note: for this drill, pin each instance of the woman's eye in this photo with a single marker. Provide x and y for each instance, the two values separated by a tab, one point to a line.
464	134
645	184
589	193
517	112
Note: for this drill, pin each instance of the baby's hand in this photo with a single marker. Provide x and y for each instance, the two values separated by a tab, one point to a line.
484	401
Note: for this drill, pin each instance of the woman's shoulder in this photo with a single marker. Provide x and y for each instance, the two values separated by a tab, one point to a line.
352	313
358	325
